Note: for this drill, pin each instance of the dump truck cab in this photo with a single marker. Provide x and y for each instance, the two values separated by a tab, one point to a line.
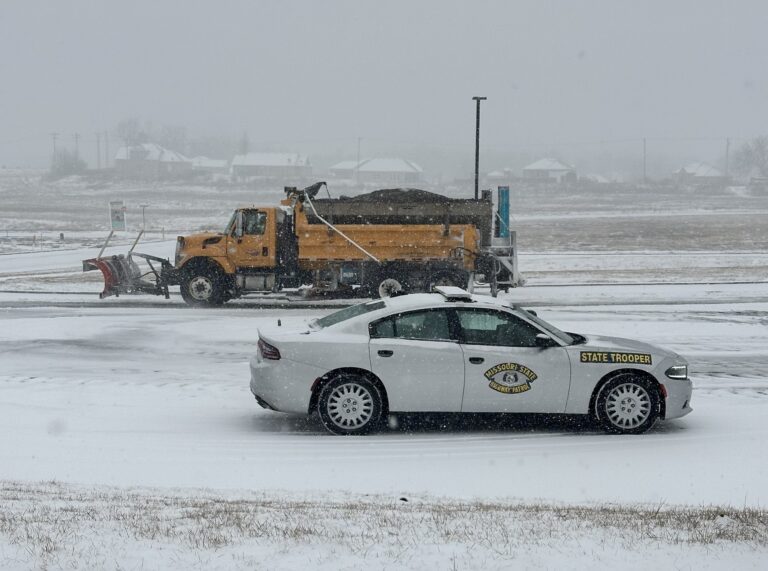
245	257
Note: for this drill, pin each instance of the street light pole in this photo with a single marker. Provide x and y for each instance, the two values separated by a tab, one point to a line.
477	143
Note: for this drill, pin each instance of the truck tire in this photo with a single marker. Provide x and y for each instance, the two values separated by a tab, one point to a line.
203	285
389	287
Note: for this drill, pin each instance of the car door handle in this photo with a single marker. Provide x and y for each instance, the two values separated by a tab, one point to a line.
476	360
386	353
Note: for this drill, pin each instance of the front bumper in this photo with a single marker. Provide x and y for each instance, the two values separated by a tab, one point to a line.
678	402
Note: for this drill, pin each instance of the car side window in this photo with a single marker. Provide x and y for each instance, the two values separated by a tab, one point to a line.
491	327
254	222
429	325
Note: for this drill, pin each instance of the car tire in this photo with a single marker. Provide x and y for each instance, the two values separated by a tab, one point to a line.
627	404
350	405
203	285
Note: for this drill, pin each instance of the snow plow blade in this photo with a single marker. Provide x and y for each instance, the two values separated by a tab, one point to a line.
123	275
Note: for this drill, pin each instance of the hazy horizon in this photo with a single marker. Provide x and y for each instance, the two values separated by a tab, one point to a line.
586	80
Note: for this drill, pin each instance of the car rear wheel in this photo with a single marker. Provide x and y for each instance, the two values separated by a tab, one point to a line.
627	405
350	404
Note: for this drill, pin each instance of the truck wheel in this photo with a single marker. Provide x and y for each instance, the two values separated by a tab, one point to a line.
203	286
448	278
389	287
628	404
350	405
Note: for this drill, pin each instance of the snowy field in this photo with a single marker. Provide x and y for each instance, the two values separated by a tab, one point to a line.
129	438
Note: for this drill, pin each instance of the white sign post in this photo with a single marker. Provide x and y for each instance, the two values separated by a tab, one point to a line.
117	215
116	221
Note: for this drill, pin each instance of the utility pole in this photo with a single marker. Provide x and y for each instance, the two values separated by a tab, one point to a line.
98	151
357	168
106	149
727	157
143	219
477	144
77	146
54	136
645	162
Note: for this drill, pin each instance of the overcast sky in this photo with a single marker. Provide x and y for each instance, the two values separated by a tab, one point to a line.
315	73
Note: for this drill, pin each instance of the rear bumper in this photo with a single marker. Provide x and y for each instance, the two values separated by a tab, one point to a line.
678	402
283	385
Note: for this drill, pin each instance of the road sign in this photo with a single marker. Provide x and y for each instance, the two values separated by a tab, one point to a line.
117	215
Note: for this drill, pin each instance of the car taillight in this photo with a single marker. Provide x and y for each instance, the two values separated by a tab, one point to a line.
268	351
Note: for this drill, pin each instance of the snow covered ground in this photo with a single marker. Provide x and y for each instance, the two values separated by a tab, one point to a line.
129	439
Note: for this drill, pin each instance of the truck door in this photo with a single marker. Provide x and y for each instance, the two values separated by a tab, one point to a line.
419	361
251	243
505	370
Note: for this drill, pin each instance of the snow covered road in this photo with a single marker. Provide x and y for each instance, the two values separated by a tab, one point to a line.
141	397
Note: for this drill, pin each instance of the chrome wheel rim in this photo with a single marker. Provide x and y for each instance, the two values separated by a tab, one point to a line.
628	405
200	288
350	406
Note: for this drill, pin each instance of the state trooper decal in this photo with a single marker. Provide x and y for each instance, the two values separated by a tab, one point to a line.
510	378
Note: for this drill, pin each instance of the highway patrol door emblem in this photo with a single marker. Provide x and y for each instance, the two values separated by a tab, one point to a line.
510	378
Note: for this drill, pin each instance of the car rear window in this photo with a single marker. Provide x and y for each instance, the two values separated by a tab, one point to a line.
347	313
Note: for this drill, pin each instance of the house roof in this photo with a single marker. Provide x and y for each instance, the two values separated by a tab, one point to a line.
206	163
344	166
700	170
389	165
547	164
149	152
270	160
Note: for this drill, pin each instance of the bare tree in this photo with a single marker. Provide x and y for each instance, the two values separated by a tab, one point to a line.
131	132
752	156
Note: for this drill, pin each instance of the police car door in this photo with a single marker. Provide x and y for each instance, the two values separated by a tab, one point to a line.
505	370
417	356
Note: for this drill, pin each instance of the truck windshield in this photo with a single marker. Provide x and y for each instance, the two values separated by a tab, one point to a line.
346	313
231	224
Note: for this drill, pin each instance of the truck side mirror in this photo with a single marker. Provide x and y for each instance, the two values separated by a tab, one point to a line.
239	224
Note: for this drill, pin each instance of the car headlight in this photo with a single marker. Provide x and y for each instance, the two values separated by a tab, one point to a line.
677	372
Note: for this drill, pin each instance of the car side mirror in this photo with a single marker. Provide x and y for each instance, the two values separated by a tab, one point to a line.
544	341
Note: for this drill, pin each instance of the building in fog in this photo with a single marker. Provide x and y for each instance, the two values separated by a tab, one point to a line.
699	174
552	170
271	165
151	161
396	172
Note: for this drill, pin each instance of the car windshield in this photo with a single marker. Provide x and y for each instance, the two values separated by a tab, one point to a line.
561	335
346	313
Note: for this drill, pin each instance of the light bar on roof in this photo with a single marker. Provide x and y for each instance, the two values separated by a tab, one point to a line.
453	293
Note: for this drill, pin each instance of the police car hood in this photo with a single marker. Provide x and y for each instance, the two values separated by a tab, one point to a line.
601	343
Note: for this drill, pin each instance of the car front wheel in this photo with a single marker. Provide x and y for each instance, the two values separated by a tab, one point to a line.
627	405
350	405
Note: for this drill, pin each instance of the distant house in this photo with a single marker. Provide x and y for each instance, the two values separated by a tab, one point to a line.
272	165
216	169
380	171
550	170
699	174
344	169
500	175
150	161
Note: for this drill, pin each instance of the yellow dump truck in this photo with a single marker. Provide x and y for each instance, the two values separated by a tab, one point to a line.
377	244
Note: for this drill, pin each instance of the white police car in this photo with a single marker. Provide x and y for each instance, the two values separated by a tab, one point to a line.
455	352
